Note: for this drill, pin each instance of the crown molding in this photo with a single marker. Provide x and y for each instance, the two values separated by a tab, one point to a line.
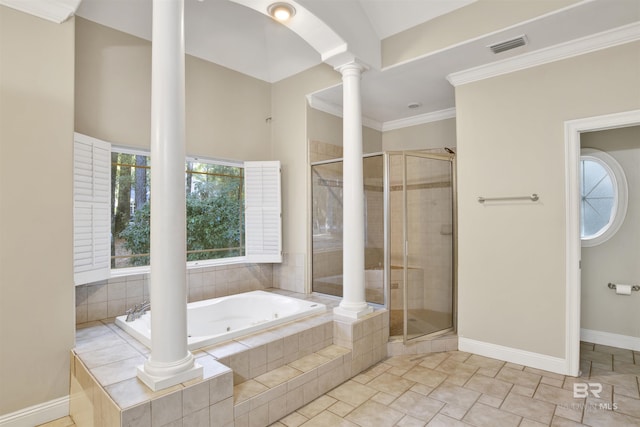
56	11
336	110
327	107
421	119
606	39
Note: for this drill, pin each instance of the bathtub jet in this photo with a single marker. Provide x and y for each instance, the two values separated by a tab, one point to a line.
221	319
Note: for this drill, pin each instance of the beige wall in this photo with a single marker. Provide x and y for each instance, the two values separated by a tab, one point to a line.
226	112
615	260
324	127
441	133
462	25
36	249
510	133
327	128
289	145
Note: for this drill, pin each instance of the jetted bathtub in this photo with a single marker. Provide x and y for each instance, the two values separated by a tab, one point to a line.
221	319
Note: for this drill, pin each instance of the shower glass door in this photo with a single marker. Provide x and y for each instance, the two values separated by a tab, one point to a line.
327	197
421	228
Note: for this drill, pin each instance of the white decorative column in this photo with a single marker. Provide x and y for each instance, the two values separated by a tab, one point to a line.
170	362
353	302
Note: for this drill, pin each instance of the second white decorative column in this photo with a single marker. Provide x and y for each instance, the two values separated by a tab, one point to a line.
170	362
353	302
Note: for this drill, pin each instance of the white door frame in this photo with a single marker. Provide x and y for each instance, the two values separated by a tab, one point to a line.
573	129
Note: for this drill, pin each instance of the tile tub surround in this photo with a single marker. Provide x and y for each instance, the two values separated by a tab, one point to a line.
128	402
291	273
110	298
252	380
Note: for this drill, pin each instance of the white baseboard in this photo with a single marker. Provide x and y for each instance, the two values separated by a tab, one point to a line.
514	355
37	414
610	339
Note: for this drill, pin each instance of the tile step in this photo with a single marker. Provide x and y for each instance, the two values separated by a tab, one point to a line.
265	399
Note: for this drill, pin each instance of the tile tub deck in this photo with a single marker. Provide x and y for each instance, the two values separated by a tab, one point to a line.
253	380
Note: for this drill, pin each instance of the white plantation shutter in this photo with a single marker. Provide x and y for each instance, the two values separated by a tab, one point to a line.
91	202
263	208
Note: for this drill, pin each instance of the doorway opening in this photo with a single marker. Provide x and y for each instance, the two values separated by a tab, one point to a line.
610	238
573	131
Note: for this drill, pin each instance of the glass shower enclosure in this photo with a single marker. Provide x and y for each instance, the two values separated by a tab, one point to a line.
327	227
409	237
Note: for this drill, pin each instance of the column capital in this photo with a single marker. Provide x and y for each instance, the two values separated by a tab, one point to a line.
352	68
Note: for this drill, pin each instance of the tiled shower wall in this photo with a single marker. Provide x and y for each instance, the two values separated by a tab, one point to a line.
430	233
110	298
319	151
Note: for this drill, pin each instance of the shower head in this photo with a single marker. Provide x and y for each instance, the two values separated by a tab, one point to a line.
449	150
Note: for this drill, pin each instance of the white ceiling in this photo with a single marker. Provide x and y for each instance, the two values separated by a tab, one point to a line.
240	38
245	40
389	17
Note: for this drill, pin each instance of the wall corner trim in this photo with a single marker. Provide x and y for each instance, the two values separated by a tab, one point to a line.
514	355
606	39
37	414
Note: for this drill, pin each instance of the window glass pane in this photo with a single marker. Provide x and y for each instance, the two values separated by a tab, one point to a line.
214	205
597	198
603	189
594	220
215	211
130	179
592	174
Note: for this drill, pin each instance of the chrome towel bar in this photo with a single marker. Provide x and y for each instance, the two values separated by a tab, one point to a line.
534	197
633	288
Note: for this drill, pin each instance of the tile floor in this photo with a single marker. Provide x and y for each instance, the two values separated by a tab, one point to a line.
460	389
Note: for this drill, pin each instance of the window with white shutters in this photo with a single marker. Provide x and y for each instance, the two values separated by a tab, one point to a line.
261	235
91	220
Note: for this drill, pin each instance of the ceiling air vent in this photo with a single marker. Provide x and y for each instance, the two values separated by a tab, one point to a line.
508	44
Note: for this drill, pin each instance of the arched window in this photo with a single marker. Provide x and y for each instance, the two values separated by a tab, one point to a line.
603	196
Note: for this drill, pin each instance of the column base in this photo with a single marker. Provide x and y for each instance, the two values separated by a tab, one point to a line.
156	383
353	312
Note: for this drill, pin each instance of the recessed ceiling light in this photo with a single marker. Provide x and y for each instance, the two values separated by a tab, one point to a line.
281	11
